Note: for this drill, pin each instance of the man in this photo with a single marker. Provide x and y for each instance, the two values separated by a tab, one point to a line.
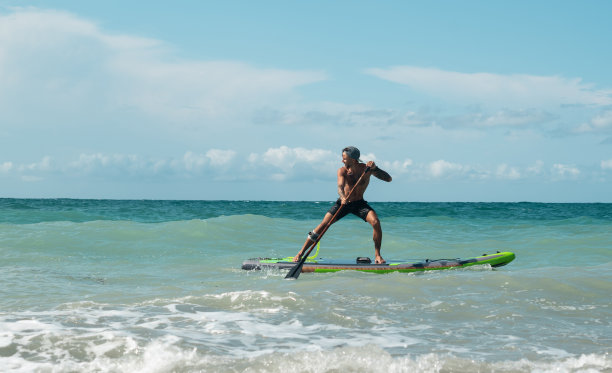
347	178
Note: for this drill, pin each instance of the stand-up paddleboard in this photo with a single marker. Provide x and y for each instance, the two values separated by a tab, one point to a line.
365	264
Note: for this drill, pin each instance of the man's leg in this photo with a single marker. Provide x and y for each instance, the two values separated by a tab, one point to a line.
372	218
309	241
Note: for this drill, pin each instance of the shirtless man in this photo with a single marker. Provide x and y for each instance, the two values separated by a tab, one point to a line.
347	177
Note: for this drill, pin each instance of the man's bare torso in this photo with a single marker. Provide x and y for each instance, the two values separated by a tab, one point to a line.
348	177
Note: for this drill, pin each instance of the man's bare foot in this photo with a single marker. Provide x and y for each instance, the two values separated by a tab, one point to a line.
379	260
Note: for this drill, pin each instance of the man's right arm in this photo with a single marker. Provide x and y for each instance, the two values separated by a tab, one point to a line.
341	185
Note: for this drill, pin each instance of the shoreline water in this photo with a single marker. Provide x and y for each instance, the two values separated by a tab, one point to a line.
98	285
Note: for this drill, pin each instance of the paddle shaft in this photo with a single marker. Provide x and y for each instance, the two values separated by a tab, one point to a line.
297	269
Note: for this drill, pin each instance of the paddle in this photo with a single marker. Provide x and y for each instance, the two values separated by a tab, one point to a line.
294	273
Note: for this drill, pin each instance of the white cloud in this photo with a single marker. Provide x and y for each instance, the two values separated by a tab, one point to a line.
564	171
285	163
279	163
599	123
286	158
603	120
131	165
506	172
43	165
606	165
396	167
30	172
360	116
507	90
63	64
194	162
368	157
6	167
333	113
218	157
536	168
189	90
442	168
507	118
116	165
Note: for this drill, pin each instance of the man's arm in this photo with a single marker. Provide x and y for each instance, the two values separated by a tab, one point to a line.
341	185
381	174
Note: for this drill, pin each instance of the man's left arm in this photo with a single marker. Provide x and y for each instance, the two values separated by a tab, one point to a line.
379	173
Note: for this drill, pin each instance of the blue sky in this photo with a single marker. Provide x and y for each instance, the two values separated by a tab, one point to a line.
458	101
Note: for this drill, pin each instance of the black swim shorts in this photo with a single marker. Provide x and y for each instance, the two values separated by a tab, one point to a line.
359	208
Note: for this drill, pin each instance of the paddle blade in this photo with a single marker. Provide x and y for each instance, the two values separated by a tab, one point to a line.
295	272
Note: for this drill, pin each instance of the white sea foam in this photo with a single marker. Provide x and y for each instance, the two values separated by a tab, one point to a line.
235	331
184	336
166	354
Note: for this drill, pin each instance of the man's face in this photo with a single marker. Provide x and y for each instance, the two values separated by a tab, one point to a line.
348	161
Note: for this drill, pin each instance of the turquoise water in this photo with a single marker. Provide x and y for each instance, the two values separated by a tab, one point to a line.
156	286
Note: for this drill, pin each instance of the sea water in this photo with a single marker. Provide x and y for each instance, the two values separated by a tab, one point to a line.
156	286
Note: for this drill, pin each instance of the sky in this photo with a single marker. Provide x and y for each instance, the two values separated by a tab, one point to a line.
485	101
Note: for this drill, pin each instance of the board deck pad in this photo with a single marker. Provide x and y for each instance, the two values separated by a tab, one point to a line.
360	264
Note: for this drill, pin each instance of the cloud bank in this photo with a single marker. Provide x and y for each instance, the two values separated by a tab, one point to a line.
496	89
66	65
279	164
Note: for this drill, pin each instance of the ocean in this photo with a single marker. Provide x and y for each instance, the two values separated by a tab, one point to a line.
156	286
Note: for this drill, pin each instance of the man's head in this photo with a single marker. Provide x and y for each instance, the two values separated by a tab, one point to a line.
352	152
